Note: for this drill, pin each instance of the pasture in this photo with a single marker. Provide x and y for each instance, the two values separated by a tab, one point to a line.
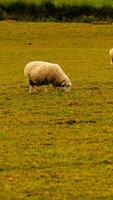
56	146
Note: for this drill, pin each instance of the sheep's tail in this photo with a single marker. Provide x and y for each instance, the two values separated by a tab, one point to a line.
27	75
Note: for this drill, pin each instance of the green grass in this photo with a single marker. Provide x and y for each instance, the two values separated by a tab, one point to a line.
56	145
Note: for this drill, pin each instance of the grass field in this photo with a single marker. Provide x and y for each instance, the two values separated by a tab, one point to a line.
56	146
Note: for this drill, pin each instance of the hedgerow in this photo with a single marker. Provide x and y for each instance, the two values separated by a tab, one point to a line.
48	11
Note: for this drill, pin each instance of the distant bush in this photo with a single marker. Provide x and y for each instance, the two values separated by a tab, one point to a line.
48	11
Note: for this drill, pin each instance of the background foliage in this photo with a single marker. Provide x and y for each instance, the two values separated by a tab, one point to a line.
48	10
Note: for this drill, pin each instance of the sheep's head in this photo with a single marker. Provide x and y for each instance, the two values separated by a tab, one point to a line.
62	81
68	86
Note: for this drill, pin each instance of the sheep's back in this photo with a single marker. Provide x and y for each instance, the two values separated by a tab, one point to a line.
40	72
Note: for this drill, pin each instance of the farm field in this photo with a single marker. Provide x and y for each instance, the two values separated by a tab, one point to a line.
56	145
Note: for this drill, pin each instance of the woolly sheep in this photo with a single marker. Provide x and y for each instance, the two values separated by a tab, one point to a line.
40	73
111	56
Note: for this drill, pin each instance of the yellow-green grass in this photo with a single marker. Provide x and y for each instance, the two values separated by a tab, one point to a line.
56	145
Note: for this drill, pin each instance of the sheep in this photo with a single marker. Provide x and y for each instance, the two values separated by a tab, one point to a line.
38	73
111	56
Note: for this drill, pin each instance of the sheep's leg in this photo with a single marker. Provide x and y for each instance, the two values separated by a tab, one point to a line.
46	89
111	60
31	89
31	86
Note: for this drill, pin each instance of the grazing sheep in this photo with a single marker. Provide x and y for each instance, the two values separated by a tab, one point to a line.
40	73
111	56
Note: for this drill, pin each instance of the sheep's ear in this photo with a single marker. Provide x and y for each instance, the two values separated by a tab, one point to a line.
63	83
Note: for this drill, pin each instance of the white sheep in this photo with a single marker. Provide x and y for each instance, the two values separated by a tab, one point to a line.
40	73
111	56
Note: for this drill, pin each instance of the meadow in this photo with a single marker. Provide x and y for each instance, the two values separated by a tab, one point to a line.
56	145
